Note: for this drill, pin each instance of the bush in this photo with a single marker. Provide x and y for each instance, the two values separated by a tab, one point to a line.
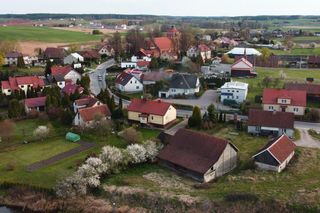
10	166
137	153
241	197
41	133
131	135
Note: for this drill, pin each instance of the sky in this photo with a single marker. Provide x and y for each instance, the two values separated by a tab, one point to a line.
166	7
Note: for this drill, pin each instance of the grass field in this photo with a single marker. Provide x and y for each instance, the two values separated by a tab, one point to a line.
302	173
15	153
289	75
44	34
298	51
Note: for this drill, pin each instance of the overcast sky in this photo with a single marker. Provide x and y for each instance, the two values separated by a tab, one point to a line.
166	7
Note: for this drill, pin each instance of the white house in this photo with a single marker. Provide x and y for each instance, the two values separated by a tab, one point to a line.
107	50
73	58
11	58
21	83
267	123
181	84
85	102
63	74
127	82
234	91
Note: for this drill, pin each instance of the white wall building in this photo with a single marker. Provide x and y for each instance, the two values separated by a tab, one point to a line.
73	58
234	91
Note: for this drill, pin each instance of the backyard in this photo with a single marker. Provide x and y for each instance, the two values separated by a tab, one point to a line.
16	156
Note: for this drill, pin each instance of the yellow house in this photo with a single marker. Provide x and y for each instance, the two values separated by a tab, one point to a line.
153	112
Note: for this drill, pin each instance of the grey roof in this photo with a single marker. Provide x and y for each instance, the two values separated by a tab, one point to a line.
183	81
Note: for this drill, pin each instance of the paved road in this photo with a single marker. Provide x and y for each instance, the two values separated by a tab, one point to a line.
44	163
209	97
307	140
97	85
305	125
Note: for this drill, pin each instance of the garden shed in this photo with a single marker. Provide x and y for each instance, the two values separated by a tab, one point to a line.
72	137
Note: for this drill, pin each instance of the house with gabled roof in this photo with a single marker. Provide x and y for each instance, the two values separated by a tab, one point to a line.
151	112
62	74
243	68
276	155
267	123
127	82
21	83
106	50
34	104
283	100
85	102
201	49
87	116
11	58
181	84
198	155
73	58
53	54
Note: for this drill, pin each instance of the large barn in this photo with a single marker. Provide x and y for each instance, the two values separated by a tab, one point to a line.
199	155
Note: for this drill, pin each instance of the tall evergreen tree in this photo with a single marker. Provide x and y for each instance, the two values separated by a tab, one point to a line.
47	70
20	62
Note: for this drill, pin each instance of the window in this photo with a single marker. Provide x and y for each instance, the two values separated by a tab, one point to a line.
296	109
137	87
271	107
9	90
151	117
283	101
232	90
135	82
130	82
237	90
22	86
228	90
237	97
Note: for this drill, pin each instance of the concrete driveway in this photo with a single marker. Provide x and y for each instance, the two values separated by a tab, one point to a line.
307	140
208	97
174	129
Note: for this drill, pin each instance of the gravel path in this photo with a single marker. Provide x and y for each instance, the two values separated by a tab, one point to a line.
307	140
44	163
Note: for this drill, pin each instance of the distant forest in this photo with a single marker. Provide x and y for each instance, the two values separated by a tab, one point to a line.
252	22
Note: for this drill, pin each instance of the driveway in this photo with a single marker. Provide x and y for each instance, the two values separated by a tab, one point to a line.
209	97
307	140
97	85
174	129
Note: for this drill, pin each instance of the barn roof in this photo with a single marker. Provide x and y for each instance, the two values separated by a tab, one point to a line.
193	150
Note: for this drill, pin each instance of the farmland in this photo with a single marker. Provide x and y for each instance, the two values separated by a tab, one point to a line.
44	34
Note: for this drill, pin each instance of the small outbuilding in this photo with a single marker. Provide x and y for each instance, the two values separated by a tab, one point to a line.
276	155
72	137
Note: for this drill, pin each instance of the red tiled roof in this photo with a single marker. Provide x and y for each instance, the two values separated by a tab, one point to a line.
87	101
298	98
242	60
5	85
70	88
123	78
279	148
154	107
88	114
143	63
271	119
193	150
60	70
15	81
203	48
89	54
35	102
163	43
311	89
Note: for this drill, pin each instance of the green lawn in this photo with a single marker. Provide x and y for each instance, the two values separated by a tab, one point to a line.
288	75
298	51
14	152
44	34
302	173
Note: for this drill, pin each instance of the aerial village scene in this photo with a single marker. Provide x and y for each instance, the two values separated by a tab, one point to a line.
146	111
